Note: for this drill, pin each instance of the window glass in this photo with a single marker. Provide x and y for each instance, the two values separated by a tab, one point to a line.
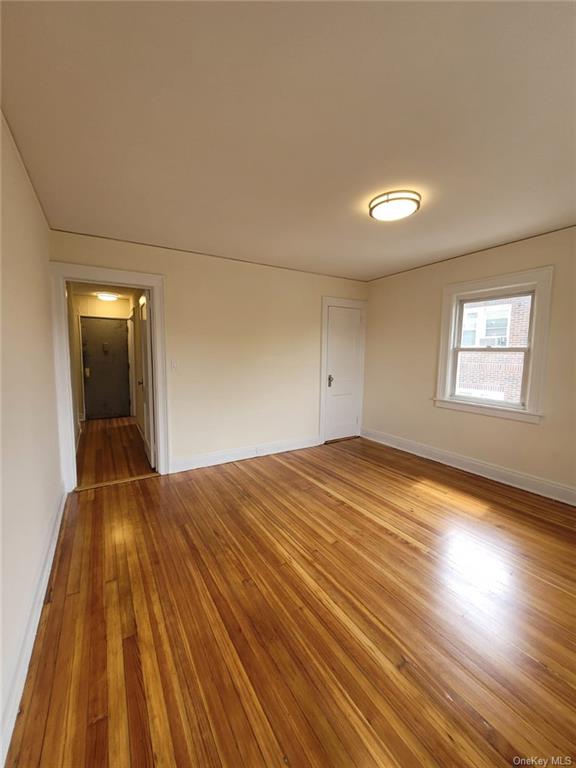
489	375
502	322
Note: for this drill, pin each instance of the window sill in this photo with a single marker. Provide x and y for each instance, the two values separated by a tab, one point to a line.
489	410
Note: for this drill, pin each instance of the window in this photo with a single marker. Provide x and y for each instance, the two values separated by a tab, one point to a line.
491	349
493	342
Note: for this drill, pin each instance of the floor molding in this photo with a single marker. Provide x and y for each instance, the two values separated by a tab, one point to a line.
214	458
16	684
512	477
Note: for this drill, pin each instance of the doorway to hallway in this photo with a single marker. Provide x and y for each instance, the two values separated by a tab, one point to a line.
112	379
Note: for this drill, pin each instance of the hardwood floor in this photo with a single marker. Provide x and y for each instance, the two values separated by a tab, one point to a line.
110	450
346	605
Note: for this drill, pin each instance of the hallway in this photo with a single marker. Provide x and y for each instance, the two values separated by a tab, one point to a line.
111	450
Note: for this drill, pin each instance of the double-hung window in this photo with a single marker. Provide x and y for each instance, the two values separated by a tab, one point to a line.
493	343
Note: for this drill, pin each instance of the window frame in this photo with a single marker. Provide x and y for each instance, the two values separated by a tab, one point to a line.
538	283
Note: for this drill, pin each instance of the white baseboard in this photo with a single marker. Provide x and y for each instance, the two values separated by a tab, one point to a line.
526	482
15	686
237	454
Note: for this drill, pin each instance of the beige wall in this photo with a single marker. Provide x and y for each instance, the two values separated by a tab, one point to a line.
245	341
32	487
402	360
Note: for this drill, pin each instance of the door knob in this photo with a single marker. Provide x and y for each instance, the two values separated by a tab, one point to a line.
330	379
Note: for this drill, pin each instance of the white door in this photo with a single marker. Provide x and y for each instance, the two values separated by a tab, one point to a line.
344	371
146	382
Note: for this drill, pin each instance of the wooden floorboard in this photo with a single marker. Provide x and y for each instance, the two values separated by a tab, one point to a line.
110	450
345	605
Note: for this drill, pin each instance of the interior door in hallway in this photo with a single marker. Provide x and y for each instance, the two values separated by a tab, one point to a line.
344	372
146	380
106	369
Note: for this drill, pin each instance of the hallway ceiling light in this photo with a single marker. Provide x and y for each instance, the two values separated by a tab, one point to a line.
391	206
104	296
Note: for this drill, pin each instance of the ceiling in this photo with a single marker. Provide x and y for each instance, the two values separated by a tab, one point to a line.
260	131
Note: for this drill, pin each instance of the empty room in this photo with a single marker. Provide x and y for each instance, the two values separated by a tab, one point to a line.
288	384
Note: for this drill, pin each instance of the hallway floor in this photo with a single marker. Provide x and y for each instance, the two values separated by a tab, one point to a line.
111	450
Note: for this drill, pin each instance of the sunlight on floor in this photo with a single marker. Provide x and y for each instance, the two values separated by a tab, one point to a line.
458	499
481	579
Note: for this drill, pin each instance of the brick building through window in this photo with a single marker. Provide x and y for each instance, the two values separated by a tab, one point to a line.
501	325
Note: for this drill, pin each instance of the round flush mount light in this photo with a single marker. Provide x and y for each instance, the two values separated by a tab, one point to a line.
391	206
104	296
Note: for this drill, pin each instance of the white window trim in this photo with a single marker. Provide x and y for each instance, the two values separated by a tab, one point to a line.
540	282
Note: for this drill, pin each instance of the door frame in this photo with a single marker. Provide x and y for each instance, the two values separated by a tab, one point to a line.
327	302
61	273
146	346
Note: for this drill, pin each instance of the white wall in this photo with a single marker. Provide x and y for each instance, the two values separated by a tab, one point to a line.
32	488
244	341
402	359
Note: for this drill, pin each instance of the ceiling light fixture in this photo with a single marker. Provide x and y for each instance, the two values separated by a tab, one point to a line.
104	296
391	206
